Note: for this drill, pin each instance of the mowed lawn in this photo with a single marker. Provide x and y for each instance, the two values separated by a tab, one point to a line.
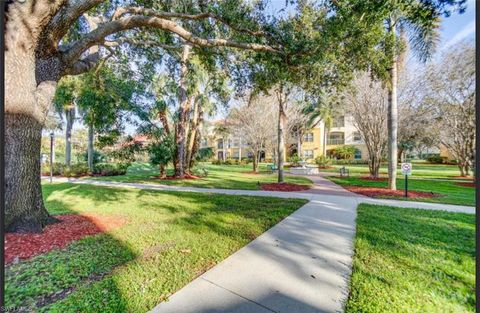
409	260
420	169
169	239
450	192
219	176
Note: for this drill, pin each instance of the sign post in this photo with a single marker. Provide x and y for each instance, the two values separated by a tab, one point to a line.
51	156
407	171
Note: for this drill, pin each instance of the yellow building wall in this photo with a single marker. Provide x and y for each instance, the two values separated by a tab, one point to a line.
444	153
315	145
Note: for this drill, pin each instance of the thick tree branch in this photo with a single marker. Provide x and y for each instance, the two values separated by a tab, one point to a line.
168	15
136	42
98	35
58	27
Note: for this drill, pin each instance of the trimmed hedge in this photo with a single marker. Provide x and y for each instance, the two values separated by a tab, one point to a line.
81	169
110	169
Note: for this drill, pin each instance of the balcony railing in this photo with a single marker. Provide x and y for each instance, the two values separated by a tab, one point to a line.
335	141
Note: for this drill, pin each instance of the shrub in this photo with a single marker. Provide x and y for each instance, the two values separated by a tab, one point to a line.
350	162
97	157
204	154
294	160
58	169
435	159
76	170
345	152
110	169
323	161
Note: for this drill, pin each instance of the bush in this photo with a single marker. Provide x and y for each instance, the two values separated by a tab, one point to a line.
435	159
76	170
350	162
97	157
58	169
204	154
345	152
323	161
110	169
294	160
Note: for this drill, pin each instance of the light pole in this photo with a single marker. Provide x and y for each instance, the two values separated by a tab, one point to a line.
51	156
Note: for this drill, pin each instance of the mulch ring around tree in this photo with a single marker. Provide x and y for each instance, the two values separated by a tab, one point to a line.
57	235
283	187
466	184
376	192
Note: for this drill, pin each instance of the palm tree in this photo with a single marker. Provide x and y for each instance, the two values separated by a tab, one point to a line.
420	20
64	103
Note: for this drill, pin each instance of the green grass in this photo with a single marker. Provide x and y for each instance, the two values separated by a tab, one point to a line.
409	260
450	192
219	176
420	170
169	239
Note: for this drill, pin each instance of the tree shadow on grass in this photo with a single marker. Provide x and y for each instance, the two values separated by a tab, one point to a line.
51	277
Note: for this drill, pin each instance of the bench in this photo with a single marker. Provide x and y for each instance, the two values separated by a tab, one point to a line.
272	167
344	172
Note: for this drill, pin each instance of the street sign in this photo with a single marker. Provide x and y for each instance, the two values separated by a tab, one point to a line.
406	169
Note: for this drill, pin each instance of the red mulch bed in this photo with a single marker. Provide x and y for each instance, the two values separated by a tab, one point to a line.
283	187
187	176
57	235
468	184
369	178
463	177
376	192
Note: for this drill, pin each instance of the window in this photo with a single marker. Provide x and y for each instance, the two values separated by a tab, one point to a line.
358	154
220	144
339	121
204	142
357	136
308	154
308	137
236	142
336	138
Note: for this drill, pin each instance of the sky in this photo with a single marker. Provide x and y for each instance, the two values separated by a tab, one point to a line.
453	30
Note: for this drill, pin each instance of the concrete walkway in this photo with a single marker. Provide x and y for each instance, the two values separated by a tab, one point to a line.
302	264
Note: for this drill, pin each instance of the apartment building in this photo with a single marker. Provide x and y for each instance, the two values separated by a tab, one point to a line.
317	141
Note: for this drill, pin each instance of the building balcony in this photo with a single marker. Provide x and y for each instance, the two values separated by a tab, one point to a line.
334	142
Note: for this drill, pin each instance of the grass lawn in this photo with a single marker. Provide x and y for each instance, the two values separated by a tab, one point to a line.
409	260
420	170
219	176
168	240
450	191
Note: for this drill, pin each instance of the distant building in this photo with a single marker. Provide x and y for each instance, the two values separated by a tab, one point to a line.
315	142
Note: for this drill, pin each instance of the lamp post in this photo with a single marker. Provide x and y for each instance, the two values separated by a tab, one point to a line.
51	156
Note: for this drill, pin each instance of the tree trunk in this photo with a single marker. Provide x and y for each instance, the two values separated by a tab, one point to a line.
281	137
90	148
24	209
325	136
299	144
255	162
163	172
392	119
53	147
69	116
192	136
198	137
180	127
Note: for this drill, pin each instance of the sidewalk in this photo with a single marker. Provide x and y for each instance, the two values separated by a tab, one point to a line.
302	264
